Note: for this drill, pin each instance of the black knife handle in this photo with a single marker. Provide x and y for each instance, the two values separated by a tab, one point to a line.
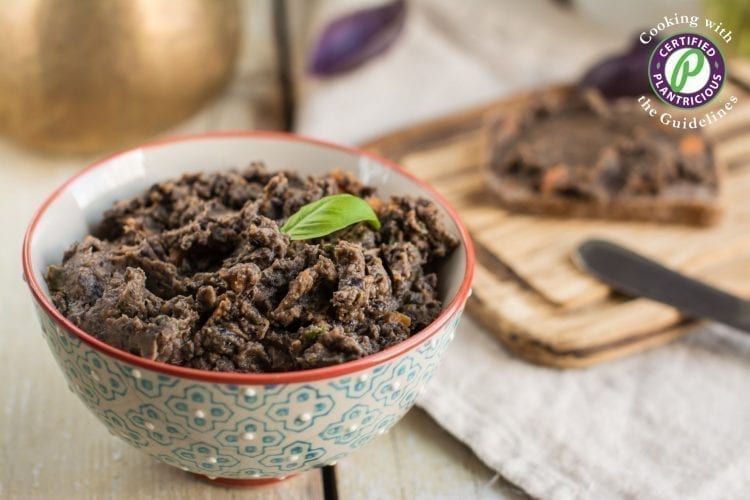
638	276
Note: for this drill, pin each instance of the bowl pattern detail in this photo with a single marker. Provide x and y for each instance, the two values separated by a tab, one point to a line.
248	431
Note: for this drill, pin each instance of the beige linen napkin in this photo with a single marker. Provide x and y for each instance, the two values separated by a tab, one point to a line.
670	423
673	422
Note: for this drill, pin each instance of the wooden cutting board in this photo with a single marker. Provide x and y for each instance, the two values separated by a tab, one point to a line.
527	290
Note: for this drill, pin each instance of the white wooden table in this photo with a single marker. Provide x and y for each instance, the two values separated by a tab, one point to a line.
52	447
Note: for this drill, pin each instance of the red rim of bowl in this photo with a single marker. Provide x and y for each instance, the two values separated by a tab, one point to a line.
255	378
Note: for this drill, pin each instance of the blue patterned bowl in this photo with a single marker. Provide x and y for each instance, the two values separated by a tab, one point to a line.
236	428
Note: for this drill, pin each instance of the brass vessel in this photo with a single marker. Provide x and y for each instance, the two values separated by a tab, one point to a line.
79	76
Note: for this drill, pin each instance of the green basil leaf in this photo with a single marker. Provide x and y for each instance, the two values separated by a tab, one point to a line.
327	215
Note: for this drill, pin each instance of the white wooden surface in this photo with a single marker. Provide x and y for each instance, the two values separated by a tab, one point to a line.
417	459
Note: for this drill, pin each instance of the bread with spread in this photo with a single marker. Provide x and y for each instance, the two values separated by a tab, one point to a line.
576	154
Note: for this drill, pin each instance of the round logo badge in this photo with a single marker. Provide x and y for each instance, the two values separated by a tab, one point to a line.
686	70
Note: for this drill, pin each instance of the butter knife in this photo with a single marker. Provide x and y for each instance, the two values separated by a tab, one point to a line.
638	276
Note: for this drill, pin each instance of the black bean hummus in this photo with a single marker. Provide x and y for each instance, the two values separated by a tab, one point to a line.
588	148
195	272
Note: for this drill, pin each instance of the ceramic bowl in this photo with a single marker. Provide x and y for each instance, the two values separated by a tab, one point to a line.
229	427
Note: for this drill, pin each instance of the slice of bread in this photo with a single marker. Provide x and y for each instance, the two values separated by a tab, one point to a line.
570	153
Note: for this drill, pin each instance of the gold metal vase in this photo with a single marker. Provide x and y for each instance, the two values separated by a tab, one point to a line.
79	76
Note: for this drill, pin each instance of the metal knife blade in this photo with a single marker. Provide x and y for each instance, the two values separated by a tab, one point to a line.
636	275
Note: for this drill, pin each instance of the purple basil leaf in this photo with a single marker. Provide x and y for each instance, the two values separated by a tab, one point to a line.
354	38
636	46
621	75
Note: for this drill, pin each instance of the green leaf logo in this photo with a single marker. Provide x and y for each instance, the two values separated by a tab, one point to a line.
685	68
327	215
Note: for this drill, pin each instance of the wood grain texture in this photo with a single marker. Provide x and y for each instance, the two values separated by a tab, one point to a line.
539	248
527	289
418	460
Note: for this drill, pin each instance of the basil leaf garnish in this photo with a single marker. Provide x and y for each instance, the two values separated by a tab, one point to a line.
327	215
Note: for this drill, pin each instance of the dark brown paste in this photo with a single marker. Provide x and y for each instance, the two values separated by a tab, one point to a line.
195	272
587	149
